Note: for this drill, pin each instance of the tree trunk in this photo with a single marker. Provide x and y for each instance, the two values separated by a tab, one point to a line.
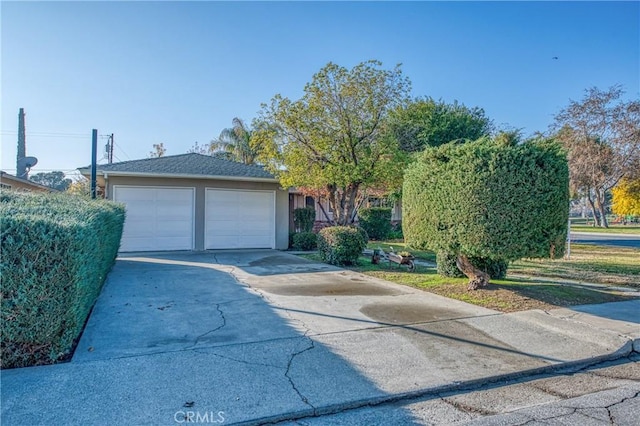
477	278
596	221
600	197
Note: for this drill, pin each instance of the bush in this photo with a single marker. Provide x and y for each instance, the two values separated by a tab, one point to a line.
304	218
305	241
376	221
341	245
396	231
56	252
446	266
488	199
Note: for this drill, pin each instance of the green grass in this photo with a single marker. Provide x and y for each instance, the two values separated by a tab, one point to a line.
508	295
589	263
613	229
542	286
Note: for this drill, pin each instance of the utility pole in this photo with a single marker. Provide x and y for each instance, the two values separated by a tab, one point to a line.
21	169
94	161
111	149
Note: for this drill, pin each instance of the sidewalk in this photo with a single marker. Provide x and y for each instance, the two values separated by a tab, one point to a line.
282	338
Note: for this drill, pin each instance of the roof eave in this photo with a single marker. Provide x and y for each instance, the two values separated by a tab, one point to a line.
107	173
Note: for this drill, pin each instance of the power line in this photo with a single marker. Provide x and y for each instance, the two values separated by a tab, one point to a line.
127	155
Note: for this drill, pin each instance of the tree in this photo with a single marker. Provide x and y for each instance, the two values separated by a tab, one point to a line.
602	135
158	150
426	122
489	200
81	187
626	198
55	180
234	143
332	140
199	149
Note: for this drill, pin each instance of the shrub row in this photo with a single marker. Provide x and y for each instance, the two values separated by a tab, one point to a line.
56	252
304	218
341	245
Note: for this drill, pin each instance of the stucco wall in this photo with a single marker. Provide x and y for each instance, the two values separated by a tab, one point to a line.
200	185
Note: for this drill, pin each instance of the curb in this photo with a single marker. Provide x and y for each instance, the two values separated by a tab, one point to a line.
631	346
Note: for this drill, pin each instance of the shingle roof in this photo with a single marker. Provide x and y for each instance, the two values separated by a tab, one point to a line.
191	164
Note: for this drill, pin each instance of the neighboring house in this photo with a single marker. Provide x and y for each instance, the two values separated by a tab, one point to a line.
196	202
15	183
299	200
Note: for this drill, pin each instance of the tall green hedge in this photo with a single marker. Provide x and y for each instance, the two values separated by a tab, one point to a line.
376	221
304	218
56	252
488	199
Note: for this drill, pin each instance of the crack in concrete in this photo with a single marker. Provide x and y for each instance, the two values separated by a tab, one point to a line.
224	323
608	407
293	385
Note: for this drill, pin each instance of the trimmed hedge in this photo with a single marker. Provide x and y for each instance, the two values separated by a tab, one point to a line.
446	266
341	245
56	252
376	221
304	218
304	241
488	199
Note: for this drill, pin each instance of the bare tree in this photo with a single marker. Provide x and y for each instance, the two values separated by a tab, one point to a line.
602	136
158	150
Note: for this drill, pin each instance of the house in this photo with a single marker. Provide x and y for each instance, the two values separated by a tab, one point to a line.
15	183
196	202
324	216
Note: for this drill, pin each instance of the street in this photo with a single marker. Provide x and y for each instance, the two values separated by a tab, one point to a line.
620	240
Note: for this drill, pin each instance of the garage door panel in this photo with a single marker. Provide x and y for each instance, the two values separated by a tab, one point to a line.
157	218
240	219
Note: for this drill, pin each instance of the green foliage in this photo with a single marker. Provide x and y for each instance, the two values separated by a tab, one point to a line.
376	221
341	245
490	200
56	252
396	231
55	180
304	241
332	139
446	266
429	123
304	218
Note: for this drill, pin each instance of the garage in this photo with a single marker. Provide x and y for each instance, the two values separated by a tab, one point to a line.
236	219
157	218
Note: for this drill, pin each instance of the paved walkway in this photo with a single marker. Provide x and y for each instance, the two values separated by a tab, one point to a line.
257	336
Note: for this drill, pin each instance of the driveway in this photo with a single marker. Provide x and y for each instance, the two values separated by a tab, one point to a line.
255	336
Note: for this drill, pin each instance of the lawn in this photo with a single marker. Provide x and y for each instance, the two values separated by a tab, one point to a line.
588	263
522	290
613	229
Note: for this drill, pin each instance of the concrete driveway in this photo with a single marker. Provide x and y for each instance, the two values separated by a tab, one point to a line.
256	336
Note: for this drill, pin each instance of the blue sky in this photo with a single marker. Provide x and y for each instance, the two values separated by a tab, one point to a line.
178	72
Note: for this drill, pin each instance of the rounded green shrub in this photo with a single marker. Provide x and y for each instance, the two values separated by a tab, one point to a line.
376	221
341	245
304	241
487	199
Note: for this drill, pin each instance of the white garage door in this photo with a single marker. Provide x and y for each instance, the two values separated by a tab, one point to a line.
240	219
157	218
